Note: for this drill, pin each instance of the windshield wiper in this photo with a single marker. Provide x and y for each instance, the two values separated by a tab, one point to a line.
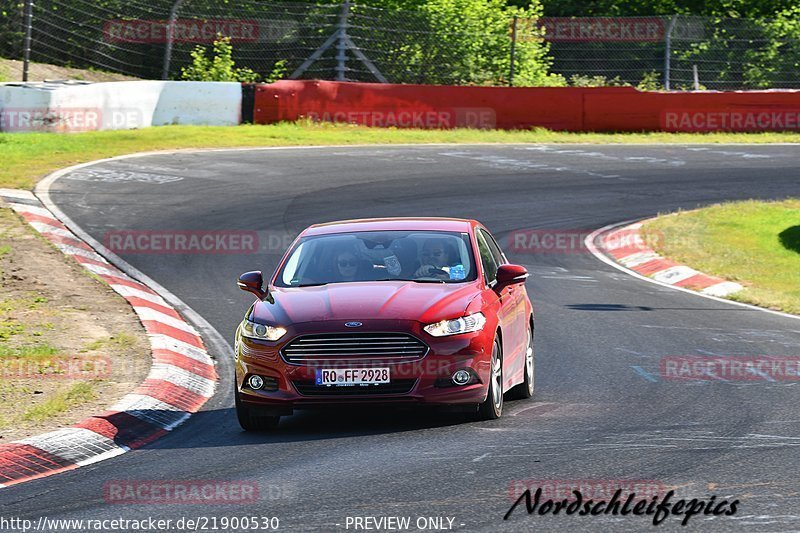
311	284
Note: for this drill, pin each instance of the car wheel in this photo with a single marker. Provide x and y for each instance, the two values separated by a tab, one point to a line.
250	421
525	389
492	408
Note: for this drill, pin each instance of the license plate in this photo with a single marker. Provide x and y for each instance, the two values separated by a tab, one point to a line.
352	376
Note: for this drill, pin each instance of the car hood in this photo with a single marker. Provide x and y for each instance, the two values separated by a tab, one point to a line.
423	302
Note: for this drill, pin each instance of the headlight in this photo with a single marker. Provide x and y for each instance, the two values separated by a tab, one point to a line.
456	326
253	330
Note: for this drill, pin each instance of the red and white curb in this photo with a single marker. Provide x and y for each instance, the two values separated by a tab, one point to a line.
182	377
627	248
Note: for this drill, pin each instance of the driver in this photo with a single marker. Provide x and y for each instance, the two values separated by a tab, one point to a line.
434	258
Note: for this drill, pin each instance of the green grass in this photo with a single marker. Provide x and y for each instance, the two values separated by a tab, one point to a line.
40	351
60	401
119	340
754	243
28	157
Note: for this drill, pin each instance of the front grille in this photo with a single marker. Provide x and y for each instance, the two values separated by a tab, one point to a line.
309	388
372	348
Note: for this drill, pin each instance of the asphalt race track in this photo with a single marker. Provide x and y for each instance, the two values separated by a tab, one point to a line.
601	410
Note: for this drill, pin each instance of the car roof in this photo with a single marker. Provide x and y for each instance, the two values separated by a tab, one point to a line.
389	224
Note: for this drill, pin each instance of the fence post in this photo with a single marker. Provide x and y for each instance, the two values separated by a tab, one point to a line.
341	45
26	47
513	51
668	51
173	15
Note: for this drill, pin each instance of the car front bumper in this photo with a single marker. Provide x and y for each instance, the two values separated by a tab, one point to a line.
425	381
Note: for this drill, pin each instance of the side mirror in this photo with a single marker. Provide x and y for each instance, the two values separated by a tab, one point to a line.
253	282
510	275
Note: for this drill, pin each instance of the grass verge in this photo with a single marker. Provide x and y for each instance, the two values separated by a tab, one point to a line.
28	157
753	243
66	355
60	401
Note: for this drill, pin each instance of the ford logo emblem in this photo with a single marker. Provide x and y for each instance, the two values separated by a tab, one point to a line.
353	324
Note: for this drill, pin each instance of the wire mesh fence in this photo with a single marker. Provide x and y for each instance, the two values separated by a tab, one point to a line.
677	52
154	39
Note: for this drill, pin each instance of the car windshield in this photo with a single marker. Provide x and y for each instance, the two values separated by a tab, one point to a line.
416	256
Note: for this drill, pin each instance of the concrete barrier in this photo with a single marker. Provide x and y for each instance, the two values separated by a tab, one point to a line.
75	107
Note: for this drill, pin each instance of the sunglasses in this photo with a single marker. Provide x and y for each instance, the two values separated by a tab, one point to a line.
347	263
438	253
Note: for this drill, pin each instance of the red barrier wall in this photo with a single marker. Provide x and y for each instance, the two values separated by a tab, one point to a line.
557	108
692	111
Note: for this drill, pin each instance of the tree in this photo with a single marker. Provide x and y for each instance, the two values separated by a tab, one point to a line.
219	67
778	63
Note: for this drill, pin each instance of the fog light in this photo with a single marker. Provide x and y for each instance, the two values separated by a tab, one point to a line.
461	377
255	382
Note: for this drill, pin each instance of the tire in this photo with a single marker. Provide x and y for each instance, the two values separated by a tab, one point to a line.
248	420
524	390
492	407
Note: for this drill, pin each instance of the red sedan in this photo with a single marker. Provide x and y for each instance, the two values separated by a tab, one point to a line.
397	310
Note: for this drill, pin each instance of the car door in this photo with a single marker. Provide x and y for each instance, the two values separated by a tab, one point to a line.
505	310
516	332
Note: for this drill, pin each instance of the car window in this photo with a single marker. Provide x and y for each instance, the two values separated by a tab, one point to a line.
487	259
497	253
421	256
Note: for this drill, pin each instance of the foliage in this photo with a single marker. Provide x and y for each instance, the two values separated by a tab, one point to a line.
579	80
11	35
651	81
623	8
779	60
461	42
220	67
279	71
